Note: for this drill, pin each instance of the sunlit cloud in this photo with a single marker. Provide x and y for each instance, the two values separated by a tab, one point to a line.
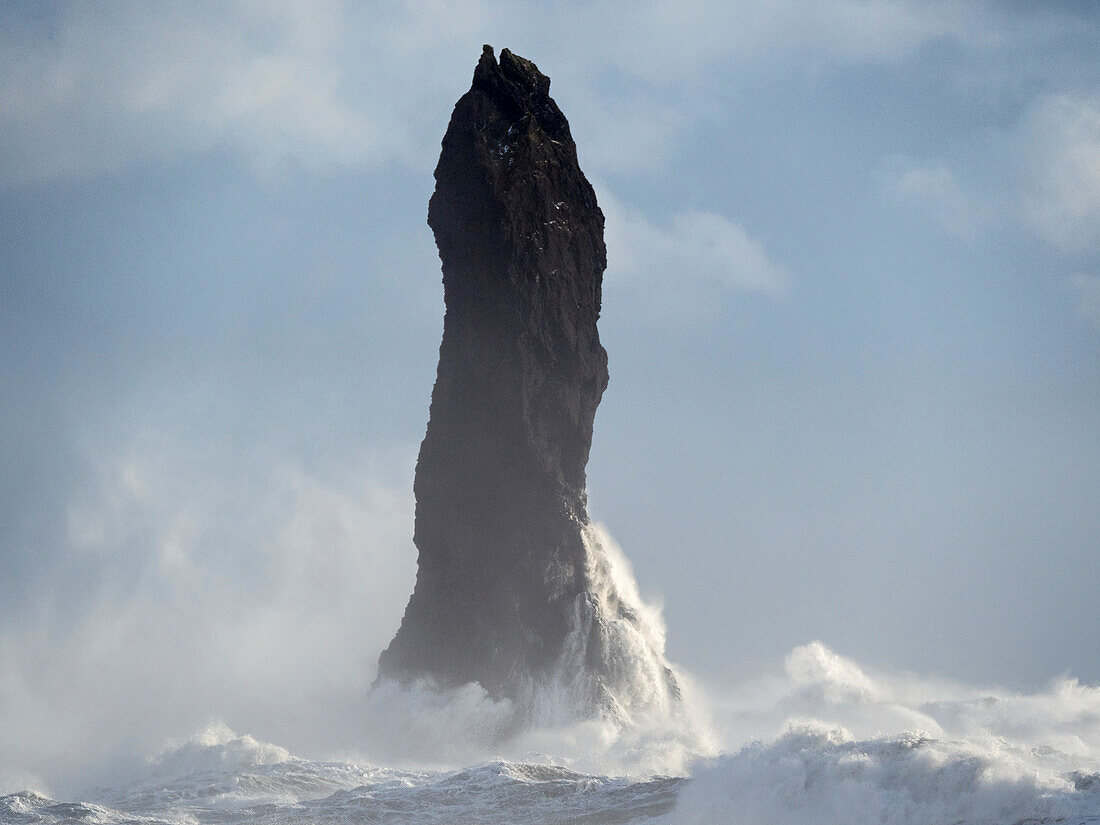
104	87
194	582
933	188
1060	140
1043	177
685	266
91	90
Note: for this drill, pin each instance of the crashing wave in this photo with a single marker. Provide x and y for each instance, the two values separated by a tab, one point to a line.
614	655
827	742
612	698
825	776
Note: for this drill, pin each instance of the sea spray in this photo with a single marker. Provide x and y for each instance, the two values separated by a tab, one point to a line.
831	743
614	656
825	776
827	741
613	662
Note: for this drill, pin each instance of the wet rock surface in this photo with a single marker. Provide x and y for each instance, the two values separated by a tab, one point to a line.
500	480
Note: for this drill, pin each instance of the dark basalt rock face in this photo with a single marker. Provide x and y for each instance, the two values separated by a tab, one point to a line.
500	481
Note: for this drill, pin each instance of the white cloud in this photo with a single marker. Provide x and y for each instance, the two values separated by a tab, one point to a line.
933	187
687	266
331	85
196	582
623	135
638	82
668	42
1042	173
1060	144
1087	291
313	84
131	81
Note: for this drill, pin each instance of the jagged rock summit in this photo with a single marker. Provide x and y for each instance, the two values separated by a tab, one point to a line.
512	591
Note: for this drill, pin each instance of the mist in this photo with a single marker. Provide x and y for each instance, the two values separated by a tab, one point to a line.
191	586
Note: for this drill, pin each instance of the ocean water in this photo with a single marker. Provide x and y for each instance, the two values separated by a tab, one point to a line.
938	754
233	779
822	741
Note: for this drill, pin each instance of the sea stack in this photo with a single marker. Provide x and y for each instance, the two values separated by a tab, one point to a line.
505	592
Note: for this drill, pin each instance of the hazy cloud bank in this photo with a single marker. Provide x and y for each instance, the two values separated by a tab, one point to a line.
194	585
89	89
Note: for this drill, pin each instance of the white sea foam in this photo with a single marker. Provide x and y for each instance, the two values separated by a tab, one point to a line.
613	703
836	744
614	658
832	742
234	779
826	741
614	661
827	777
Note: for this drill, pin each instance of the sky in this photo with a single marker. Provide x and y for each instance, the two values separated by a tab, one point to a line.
852	310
